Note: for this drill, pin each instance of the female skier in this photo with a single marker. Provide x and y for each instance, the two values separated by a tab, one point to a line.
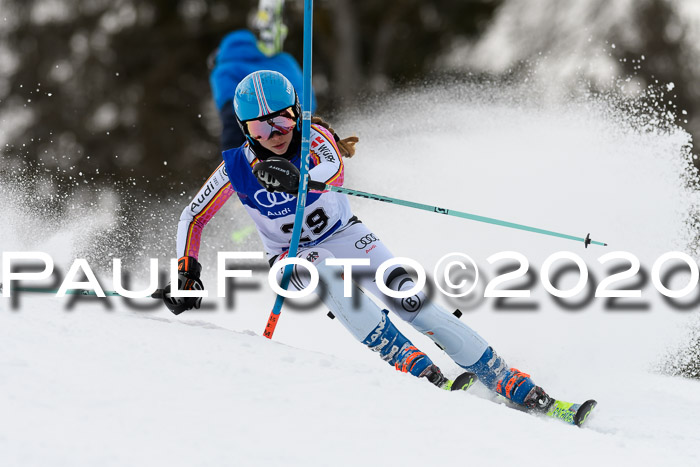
268	112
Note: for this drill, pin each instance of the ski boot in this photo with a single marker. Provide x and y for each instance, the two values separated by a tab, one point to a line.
538	401
394	348
517	387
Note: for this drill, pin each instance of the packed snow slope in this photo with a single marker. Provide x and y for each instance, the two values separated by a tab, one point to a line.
97	382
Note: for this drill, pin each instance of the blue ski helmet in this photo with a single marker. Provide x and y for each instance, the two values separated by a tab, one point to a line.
263	93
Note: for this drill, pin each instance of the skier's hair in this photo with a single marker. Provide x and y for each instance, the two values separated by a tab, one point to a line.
346	145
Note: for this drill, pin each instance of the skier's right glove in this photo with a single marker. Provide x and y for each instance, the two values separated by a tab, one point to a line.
277	174
187	279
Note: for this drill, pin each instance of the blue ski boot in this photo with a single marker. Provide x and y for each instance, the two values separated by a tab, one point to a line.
397	350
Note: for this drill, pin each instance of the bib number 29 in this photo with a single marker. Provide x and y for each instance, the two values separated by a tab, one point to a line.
317	222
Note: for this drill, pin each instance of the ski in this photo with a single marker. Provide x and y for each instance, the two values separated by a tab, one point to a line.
461	382
569	412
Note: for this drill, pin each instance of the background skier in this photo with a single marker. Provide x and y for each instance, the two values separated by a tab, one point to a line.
241	53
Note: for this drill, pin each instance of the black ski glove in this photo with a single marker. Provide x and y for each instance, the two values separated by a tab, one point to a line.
187	279
277	174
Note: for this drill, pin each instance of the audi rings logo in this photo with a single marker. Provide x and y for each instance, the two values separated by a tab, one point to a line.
268	200
365	241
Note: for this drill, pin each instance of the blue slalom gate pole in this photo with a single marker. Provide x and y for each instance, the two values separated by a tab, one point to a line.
304	170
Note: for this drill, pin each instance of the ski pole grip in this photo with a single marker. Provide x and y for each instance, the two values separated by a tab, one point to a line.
318	186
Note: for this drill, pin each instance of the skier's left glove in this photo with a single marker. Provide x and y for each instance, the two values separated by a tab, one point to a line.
189	270
277	174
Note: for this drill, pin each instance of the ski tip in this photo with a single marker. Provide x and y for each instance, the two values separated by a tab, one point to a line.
584	411
463	381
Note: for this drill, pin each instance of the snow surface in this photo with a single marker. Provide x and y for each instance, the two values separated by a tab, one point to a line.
91	385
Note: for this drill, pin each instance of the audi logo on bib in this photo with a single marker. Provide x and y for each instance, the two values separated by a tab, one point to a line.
268	200
366	241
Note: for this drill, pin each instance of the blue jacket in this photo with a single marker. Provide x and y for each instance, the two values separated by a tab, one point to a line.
238	56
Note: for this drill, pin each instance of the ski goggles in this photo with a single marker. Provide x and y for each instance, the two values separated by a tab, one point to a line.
262	129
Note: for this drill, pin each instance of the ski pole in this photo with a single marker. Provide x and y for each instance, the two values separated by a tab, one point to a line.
319	186
303	173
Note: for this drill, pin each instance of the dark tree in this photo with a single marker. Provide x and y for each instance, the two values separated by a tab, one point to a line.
120	87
